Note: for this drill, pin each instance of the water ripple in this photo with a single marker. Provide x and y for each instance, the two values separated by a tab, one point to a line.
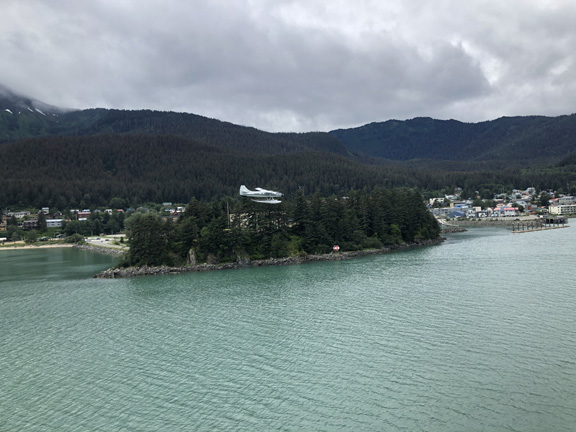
469	336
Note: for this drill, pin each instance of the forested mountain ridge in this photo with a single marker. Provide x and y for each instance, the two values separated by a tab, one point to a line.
84	158
24	117
519	140
20	118
15	103
62	171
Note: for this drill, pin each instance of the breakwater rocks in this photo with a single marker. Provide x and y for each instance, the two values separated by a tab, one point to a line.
450	230
164	270
99	249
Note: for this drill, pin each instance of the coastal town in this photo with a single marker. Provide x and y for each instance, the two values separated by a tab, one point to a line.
518	203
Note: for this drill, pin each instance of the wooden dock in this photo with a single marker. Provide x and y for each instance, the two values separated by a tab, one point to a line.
539	225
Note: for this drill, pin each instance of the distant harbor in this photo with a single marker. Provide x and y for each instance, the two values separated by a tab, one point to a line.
516	224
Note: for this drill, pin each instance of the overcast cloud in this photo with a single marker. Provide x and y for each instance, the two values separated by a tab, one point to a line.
296	65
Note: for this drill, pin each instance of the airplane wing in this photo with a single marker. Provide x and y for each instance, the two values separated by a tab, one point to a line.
262	195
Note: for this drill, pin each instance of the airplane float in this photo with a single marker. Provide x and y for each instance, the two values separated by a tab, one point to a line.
261	195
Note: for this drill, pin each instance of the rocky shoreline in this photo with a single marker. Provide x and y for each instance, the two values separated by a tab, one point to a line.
338	256
100	249
452	230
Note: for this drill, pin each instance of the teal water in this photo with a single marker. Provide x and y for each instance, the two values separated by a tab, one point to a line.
478	334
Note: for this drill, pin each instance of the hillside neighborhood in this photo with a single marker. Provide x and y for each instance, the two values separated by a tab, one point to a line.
517	203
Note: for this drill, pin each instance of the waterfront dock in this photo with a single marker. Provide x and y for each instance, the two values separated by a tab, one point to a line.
517	225
539	225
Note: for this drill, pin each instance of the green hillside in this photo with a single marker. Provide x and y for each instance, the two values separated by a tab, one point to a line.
20	119
74	172
517	140
62	170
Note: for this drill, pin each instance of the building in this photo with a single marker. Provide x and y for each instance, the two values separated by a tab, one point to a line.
54	223
505	211
18	215
83	215
566	200
442	211
30	224
562	209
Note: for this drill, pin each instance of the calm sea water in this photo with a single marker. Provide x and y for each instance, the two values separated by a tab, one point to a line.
478	334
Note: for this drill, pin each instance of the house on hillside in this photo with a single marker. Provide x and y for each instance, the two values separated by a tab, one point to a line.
54	223
30	224
18	215
83	215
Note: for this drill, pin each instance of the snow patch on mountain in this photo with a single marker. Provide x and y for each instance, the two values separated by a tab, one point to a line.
16	103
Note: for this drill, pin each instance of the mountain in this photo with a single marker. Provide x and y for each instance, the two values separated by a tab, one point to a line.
22	117
16	104
520	141
507	141
69	158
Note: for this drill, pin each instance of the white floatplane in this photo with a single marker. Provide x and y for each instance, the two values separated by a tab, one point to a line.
261	195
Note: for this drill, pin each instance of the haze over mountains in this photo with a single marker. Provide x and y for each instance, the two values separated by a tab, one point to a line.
172	156
15	103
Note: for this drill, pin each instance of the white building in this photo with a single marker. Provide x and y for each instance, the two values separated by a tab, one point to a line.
18	215
562	209
54	223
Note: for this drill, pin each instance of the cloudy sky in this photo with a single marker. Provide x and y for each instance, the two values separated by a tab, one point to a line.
296	65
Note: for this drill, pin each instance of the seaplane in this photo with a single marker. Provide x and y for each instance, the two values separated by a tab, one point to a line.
261	195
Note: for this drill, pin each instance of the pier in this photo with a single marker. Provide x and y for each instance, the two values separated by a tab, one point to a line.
539	224
516	225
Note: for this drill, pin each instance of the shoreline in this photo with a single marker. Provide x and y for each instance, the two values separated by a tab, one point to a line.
452	230
92	248
127	272
25	246
101	249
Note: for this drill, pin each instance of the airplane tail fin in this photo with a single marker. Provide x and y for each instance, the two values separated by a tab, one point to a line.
243	190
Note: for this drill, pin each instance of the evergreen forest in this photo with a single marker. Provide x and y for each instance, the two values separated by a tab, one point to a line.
235	230
90	171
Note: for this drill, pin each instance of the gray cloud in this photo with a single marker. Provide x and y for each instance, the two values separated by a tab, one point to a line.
295	65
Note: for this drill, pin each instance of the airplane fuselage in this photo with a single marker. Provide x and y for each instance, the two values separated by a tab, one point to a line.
261	195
